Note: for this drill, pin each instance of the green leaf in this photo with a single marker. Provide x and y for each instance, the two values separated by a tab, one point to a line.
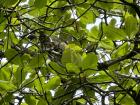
60	3
13	56
114	88
28	83
24	104
2	26
122	50
15	21
37	61
81	101
20	75
38	83
74	47
30	100
66	56
9	96
6	85
72	68
130	1
112	22
7	43
2	19
70	56
107	44
58	92
2	35
14	39
53	83
87	16
93	34
40	3
99	78
107	6
89	92
5	73
42	102
131	26
89	61
10	3
57	68
125	100
114	33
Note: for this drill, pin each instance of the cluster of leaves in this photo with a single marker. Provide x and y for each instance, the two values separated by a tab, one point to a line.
49	57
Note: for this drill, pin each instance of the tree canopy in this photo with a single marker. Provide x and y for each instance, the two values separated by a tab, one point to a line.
69	52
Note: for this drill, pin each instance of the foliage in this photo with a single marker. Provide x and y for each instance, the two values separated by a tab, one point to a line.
48	56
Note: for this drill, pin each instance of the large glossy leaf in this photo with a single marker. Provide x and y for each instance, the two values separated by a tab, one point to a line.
106	6
88	16
6	85
5	74
56	68
14	39
40	3
93	34
20	76
131	26
38	84
2	17
122	50
107	44
72	68
81	101
99	78
87	46
70	56
30	100
125	100
42	102
89	61
53	83
24	103
67	56
37	61
114	33
59	92
74	47
13	56
9	3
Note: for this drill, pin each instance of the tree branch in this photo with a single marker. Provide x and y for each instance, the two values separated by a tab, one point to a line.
134	52
134	6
